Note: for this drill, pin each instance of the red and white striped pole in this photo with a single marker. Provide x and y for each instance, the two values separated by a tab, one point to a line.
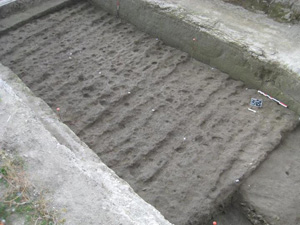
274	99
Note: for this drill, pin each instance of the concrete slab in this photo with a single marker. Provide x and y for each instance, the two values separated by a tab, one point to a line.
265	38
280	10
5	2
19	19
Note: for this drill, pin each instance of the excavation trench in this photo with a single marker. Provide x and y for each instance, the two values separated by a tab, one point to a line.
177	130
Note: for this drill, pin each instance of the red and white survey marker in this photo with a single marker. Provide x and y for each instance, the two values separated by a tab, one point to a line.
274	99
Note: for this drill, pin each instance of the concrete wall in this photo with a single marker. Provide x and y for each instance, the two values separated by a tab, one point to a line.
17	5
280	10
172	26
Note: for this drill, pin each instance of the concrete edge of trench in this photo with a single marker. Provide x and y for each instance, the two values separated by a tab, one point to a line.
176	27
57	160
16	20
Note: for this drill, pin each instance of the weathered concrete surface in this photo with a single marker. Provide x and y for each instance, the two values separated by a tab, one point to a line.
280	10
247	46
13	21
9	7
273	190
58	162
5	2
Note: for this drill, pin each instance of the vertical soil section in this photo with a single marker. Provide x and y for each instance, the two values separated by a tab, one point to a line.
178	131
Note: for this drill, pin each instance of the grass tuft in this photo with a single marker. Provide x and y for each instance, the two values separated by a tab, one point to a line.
18	198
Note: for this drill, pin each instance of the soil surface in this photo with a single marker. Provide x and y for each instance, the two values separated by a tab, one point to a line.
274	189
178	131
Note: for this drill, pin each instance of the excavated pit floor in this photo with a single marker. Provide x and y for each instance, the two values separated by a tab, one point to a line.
178	131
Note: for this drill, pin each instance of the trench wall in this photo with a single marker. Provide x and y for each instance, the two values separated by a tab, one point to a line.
170	25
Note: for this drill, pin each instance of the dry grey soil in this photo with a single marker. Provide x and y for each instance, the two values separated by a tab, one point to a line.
178	131
274	188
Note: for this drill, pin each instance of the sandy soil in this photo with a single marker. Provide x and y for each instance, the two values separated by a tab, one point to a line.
274	188
178	131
